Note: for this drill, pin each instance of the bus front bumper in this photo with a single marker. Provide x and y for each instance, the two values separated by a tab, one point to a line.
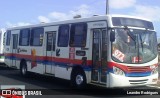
123	81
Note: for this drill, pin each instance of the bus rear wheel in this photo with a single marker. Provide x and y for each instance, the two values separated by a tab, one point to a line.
23	69
78	79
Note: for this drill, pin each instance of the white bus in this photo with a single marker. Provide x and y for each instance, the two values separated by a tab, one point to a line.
1	46
110	51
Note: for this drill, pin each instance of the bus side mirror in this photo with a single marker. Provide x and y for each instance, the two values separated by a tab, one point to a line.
112	36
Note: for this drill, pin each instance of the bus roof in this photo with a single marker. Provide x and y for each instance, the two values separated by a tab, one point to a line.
88	19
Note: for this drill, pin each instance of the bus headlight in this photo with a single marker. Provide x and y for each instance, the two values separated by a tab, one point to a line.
118	71
154	70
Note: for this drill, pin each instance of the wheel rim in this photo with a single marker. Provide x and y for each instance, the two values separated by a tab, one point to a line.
79	79
24	70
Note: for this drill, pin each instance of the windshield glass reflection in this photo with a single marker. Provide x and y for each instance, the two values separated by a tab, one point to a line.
134	46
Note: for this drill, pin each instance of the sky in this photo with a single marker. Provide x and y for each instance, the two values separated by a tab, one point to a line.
25	12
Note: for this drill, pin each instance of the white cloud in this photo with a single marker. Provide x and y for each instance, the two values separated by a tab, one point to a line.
145	11
43	19
121	4
9	24
149	12
57	16
83	10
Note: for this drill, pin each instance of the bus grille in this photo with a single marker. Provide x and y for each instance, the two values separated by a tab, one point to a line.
138	69
138	81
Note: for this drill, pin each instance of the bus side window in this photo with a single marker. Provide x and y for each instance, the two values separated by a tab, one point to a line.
63	35
78	35
37	36
8	38
24	37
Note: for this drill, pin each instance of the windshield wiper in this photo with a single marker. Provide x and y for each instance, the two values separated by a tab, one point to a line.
130	34
133	37
141	42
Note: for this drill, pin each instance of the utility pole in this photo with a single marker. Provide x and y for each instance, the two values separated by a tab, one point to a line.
107	7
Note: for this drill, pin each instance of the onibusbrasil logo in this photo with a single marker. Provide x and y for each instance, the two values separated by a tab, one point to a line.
16	91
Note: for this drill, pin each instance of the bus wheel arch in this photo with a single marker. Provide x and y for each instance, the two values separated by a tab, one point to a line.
23	68
78	77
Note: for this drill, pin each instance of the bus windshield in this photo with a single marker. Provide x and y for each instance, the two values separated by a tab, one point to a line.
134	46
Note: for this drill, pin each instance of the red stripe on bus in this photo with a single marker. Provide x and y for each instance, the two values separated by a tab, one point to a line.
46	58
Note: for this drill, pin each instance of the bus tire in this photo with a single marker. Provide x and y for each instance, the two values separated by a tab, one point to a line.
23	69
78	79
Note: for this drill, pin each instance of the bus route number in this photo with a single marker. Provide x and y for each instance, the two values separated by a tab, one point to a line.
119	55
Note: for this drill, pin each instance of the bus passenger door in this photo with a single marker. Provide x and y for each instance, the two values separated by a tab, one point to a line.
99	56
14	43
50	52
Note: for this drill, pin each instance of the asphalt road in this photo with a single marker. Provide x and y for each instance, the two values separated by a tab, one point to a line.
59	88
